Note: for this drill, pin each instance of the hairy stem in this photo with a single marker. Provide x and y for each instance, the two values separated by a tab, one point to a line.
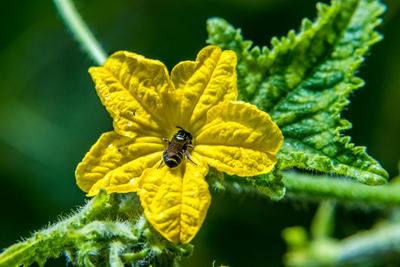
80	30
300	186
102	231
56	239
325	187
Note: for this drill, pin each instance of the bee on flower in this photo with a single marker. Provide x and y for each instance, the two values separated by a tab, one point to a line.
201	98
177	148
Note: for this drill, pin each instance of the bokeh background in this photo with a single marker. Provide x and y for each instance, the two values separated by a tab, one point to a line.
50	114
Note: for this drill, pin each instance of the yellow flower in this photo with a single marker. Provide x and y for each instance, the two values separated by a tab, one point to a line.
147	105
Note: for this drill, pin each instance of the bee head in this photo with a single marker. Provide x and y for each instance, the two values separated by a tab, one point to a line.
183	135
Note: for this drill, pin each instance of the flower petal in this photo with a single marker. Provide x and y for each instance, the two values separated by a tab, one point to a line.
204	83
237	160
116	162
175	200
137	92
240	139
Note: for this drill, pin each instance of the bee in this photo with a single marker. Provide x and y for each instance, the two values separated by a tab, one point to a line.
177	148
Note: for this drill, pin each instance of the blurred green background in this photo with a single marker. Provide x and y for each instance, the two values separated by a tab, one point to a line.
50	114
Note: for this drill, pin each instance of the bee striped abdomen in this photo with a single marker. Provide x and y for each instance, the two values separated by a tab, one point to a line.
172	160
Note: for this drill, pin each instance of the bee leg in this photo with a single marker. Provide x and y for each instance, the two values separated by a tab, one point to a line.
162	160
160	163
190	145
188	157
165	140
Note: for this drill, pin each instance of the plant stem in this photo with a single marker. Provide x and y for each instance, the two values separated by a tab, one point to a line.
80	30
377	245
53	241
344	190
323	223
371	245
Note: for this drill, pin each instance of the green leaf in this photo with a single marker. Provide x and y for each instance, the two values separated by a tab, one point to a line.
270	184
304	80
